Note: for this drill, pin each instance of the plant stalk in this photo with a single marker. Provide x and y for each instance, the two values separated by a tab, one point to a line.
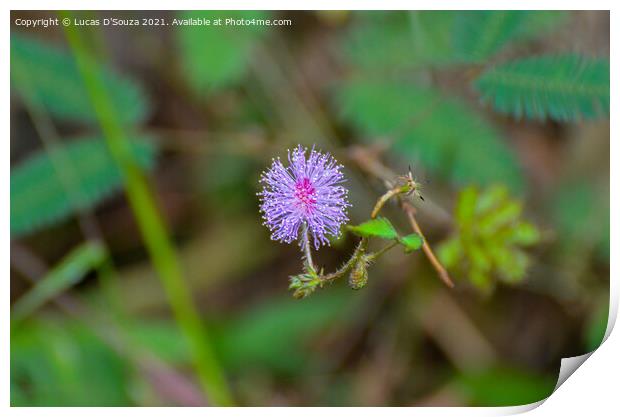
152	227
307	250
428	251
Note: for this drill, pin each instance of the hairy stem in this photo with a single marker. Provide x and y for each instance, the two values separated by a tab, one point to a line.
376	255
360	250
369	162
357	253
307	250
385	197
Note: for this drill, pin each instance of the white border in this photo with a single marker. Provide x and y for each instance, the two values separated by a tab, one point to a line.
593	388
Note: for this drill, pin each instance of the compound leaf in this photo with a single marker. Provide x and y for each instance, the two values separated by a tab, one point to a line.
442	133
217	56
51	77
48	187
564	87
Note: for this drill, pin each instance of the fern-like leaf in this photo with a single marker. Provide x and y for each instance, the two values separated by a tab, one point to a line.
397	41
40	195
480	34
442	133
216	56
563	88
53	79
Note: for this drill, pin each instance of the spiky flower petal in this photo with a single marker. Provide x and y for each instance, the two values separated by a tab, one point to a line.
307	192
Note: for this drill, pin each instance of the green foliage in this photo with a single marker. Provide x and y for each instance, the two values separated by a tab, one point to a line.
271	335
394	42
162	338
276	334
536	23
52	79
304	284
379	227
41	195
400	41
443	133
478	35
563	87
215	56
489	238
503	387
411	242
152	228
596	325
68	272
581	214
64	364
226	180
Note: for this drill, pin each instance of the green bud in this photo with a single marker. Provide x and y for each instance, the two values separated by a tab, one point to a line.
303	285
359	275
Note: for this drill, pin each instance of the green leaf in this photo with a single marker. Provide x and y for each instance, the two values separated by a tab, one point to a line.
400	41
450	252
56	363
379	227
217	56
442	133
525	234
581	214
162	338
41	195
564	87
411	242
501	387
480	34
68	272
539	22
276	335
49	75
489	238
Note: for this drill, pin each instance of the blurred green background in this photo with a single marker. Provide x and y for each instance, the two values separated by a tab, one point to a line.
172	293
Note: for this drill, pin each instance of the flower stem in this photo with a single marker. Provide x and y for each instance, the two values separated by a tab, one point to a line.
361	248
357	253
369	162
385	197
309	263
376	255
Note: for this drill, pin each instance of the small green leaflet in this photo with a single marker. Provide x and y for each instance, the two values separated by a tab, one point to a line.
379	227
411	242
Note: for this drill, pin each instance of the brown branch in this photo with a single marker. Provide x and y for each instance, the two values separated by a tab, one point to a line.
428	251
368	160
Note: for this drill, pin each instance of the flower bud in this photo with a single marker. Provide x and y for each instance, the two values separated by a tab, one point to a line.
359	275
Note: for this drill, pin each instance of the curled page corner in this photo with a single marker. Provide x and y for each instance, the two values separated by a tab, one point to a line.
568	366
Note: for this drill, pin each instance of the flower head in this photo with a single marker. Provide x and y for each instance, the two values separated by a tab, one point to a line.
307	192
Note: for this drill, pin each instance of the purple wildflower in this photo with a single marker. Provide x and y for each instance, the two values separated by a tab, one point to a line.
306	193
